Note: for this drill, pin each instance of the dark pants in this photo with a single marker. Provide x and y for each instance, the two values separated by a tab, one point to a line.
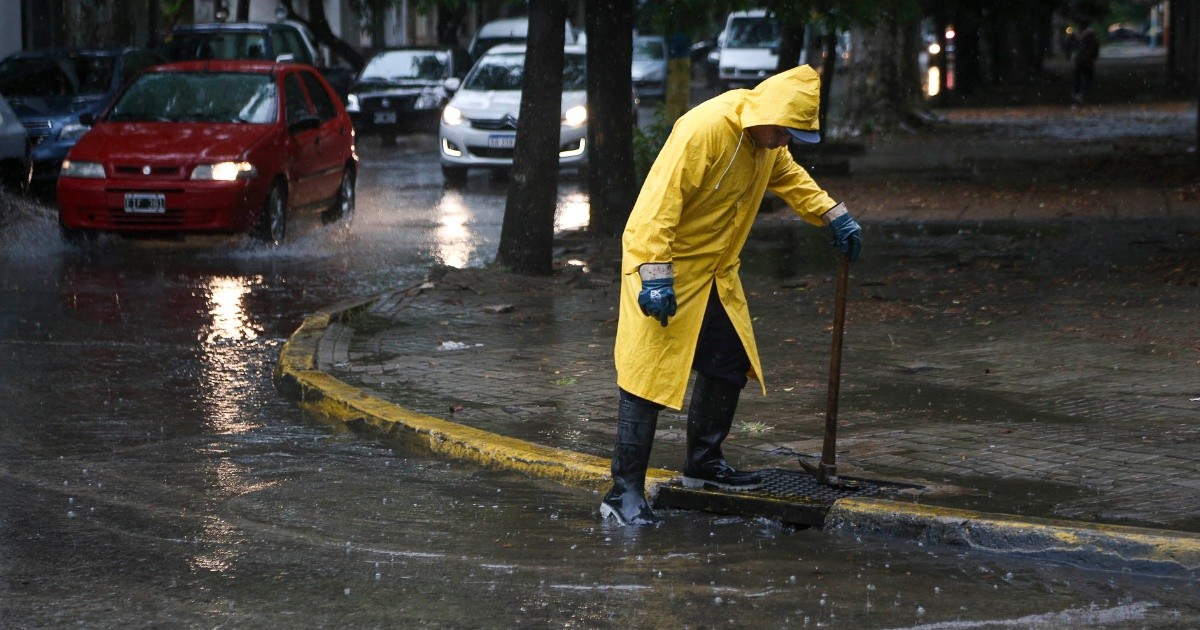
719	353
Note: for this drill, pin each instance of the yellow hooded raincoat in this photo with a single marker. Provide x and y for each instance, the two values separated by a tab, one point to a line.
695	211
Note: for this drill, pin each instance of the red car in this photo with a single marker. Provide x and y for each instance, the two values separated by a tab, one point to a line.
212	146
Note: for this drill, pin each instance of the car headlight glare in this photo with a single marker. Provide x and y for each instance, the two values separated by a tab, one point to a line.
575	116
83	170
352	104
453	116
73	131
224	171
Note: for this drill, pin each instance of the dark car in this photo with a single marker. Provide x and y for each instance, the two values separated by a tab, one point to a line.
50	89
273	41
400	90
222	146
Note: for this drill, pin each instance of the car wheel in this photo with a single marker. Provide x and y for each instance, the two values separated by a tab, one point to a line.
343	205
272	222
454	176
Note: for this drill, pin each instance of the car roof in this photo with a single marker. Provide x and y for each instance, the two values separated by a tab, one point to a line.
508	49
415	49
224	65
505	26
223	26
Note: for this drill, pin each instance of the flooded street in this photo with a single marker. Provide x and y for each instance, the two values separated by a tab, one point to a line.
151	476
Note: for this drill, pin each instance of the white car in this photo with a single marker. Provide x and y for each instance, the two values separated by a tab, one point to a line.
749	48
478	128
649	71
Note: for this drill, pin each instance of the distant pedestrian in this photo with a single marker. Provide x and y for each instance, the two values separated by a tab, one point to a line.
1083	61
682	305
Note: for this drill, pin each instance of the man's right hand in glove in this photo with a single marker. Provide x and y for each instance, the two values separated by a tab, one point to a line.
657	298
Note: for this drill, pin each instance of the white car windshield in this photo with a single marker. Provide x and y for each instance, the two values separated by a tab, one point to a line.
406	65
238	97
506	71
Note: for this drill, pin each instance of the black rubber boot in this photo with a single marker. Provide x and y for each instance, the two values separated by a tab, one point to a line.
626	501
709	418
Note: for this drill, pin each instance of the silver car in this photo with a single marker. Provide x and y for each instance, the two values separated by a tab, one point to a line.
649	68
478	128
16	167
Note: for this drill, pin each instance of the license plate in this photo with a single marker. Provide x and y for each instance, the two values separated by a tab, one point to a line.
502	142
385	118
143	203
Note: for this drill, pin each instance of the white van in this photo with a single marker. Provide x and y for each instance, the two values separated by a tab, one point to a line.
748	49
509	31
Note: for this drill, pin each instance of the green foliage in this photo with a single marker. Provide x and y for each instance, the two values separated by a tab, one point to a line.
648	142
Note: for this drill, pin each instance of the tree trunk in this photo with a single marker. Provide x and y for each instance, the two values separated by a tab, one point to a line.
527	235
885	75
319	25
828	65
611	180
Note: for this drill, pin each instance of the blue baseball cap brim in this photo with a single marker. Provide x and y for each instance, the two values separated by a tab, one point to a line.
804	135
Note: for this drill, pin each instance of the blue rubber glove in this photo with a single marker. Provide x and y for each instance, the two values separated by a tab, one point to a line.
844	232
657	297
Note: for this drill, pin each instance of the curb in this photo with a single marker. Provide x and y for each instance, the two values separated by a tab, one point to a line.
1092	545
1089	545
332	400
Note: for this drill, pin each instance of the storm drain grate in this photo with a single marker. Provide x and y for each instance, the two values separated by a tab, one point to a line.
787	484
788	495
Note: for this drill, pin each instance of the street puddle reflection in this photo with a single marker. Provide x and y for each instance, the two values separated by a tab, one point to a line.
229	319
574	210
453	244
225	379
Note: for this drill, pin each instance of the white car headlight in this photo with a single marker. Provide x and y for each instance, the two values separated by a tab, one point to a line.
224	171
453	116
84	170
575	116
73	131
352	104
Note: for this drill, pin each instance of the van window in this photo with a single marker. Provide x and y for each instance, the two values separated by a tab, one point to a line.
752	32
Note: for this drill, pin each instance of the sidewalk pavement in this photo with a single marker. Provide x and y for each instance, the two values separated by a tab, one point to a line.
1029	352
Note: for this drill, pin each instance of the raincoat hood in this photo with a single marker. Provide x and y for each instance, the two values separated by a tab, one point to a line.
791	99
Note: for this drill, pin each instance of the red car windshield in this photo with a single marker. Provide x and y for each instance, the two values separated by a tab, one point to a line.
234	97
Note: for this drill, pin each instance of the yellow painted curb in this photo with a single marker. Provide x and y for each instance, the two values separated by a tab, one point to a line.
335	401
1095	545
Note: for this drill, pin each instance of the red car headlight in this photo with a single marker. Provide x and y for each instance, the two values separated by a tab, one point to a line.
224	171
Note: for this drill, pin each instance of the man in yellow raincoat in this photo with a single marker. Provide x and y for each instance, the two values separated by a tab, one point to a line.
682	304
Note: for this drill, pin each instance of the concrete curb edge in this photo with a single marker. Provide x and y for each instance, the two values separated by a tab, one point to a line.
334	401
1091	545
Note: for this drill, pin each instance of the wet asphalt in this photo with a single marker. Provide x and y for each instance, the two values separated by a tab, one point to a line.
153	476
